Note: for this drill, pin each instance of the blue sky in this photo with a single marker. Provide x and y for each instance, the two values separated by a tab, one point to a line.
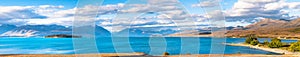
121	13
66	3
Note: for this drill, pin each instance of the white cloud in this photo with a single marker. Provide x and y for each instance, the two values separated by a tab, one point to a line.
27	12
18	12
275	9
155	13
21	15
170	12
247	10
260	1
208	3
294	5
66	21
49	14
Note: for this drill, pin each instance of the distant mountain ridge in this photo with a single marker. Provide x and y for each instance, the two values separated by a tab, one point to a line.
37	30
267	23
44	30
270	28
6	27
142	32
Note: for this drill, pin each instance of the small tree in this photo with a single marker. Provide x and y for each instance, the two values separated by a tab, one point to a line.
250	38
166	53
254	42
295	47
266	42
275	43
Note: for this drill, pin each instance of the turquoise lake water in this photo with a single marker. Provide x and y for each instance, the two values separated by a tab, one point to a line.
174	45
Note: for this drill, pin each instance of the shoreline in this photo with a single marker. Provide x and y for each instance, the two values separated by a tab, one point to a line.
270	38
274	50
208	35
142	55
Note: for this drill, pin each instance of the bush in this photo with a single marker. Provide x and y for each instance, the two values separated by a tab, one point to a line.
250	38
260	45
275	43
254	42
266	42
294	47
166	53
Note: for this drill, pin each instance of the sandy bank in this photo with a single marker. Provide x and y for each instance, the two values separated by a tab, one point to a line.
275	50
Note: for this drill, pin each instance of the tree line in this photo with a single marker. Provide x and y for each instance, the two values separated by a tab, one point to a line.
275	43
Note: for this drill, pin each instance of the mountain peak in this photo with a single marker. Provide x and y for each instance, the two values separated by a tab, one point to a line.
269	28
44	30
266	23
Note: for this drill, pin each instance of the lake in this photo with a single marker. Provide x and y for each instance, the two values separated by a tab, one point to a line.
152	46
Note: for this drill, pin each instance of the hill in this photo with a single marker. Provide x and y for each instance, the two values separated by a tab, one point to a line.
44	30
270	28
142	32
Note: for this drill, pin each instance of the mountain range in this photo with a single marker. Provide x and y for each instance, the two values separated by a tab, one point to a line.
143	32
45	30
5	27
42	30
263	28
270	28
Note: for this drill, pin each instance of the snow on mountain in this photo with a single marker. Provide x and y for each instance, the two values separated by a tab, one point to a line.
20	33
37	30
44	30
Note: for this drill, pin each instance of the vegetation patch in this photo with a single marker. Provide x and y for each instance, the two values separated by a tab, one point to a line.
296	30
275	43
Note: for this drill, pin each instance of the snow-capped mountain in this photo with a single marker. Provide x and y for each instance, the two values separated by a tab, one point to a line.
37	30
23	33
44	30
5	27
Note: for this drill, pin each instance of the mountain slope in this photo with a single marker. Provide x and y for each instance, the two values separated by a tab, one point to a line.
270	28
37	30
98	31
192	33
267	23
44	30
5	27
143	32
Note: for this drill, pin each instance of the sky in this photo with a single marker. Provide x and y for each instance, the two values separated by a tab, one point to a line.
116	15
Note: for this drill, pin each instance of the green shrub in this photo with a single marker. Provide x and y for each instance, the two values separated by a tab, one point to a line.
254	42
266	42
260	45
275	43
250	38
295	47
166	53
